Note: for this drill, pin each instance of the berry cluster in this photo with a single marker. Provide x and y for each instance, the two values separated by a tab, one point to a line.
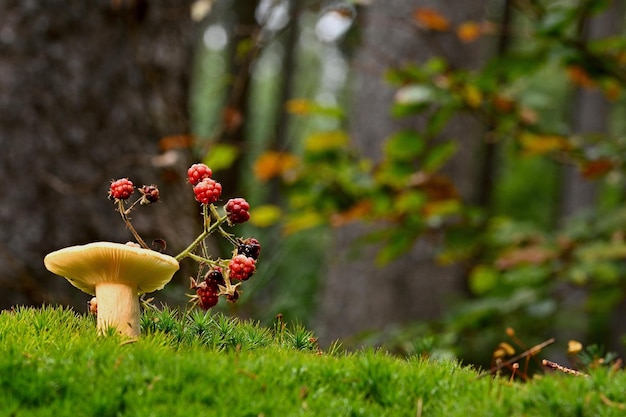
121	189
198	172
207	191
237	210
223	277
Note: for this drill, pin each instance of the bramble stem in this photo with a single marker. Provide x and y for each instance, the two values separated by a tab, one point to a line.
123	213
208	229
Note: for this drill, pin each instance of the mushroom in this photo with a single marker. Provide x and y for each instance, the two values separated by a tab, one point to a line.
116	274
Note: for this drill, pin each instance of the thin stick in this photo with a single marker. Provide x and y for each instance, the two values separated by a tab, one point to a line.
555	366
532	351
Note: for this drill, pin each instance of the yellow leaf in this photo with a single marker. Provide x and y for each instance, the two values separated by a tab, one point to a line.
265	215
302	221
574	347
326	141
431	19
468	32
542	144
473	96
272	164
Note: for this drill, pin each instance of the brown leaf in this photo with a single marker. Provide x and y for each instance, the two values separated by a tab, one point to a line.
532	255
468	31
232	119
596	169
176	142
431	19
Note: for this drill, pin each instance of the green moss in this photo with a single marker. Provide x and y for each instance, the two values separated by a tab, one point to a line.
54	364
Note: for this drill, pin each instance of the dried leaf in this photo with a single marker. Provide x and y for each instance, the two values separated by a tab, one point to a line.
580	77
231	118
533	255
176	142
272	164
468	31
358	211
431	19
503	103
596	169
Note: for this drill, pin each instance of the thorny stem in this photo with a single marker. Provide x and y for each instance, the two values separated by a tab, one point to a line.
208	229
124	214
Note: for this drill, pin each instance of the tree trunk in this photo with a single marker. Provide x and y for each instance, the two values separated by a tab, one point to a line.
358	295
87	90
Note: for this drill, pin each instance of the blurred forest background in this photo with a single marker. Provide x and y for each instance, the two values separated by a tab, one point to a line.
422	174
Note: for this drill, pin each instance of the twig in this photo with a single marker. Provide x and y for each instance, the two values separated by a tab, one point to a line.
555	366
532	351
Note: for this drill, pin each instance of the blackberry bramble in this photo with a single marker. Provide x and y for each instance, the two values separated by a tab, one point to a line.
219	274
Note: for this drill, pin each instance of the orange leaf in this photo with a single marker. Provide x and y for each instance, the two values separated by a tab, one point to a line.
469	31
503	103
175	142
358	211
299	106
431	19
272	164
580	77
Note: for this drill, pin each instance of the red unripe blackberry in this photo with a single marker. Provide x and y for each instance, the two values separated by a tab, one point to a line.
207	191
237	210
207	297
241	267
250	248
150	194
121	189
198	172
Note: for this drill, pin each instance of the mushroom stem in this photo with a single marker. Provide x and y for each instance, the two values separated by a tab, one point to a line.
118	306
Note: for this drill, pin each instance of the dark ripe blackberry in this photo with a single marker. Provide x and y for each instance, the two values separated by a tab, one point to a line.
250	248
231	298
214	277
150	194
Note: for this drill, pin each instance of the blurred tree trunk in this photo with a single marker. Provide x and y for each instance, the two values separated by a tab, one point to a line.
358	295
591	114
87	90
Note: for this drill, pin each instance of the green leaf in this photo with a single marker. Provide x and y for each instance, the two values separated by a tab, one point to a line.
410	201
439	155
482	279
221	156
404	146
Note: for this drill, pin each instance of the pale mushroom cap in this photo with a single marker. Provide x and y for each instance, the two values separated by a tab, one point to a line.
84	266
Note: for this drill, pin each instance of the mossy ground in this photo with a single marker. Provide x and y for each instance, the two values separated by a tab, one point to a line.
54	364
